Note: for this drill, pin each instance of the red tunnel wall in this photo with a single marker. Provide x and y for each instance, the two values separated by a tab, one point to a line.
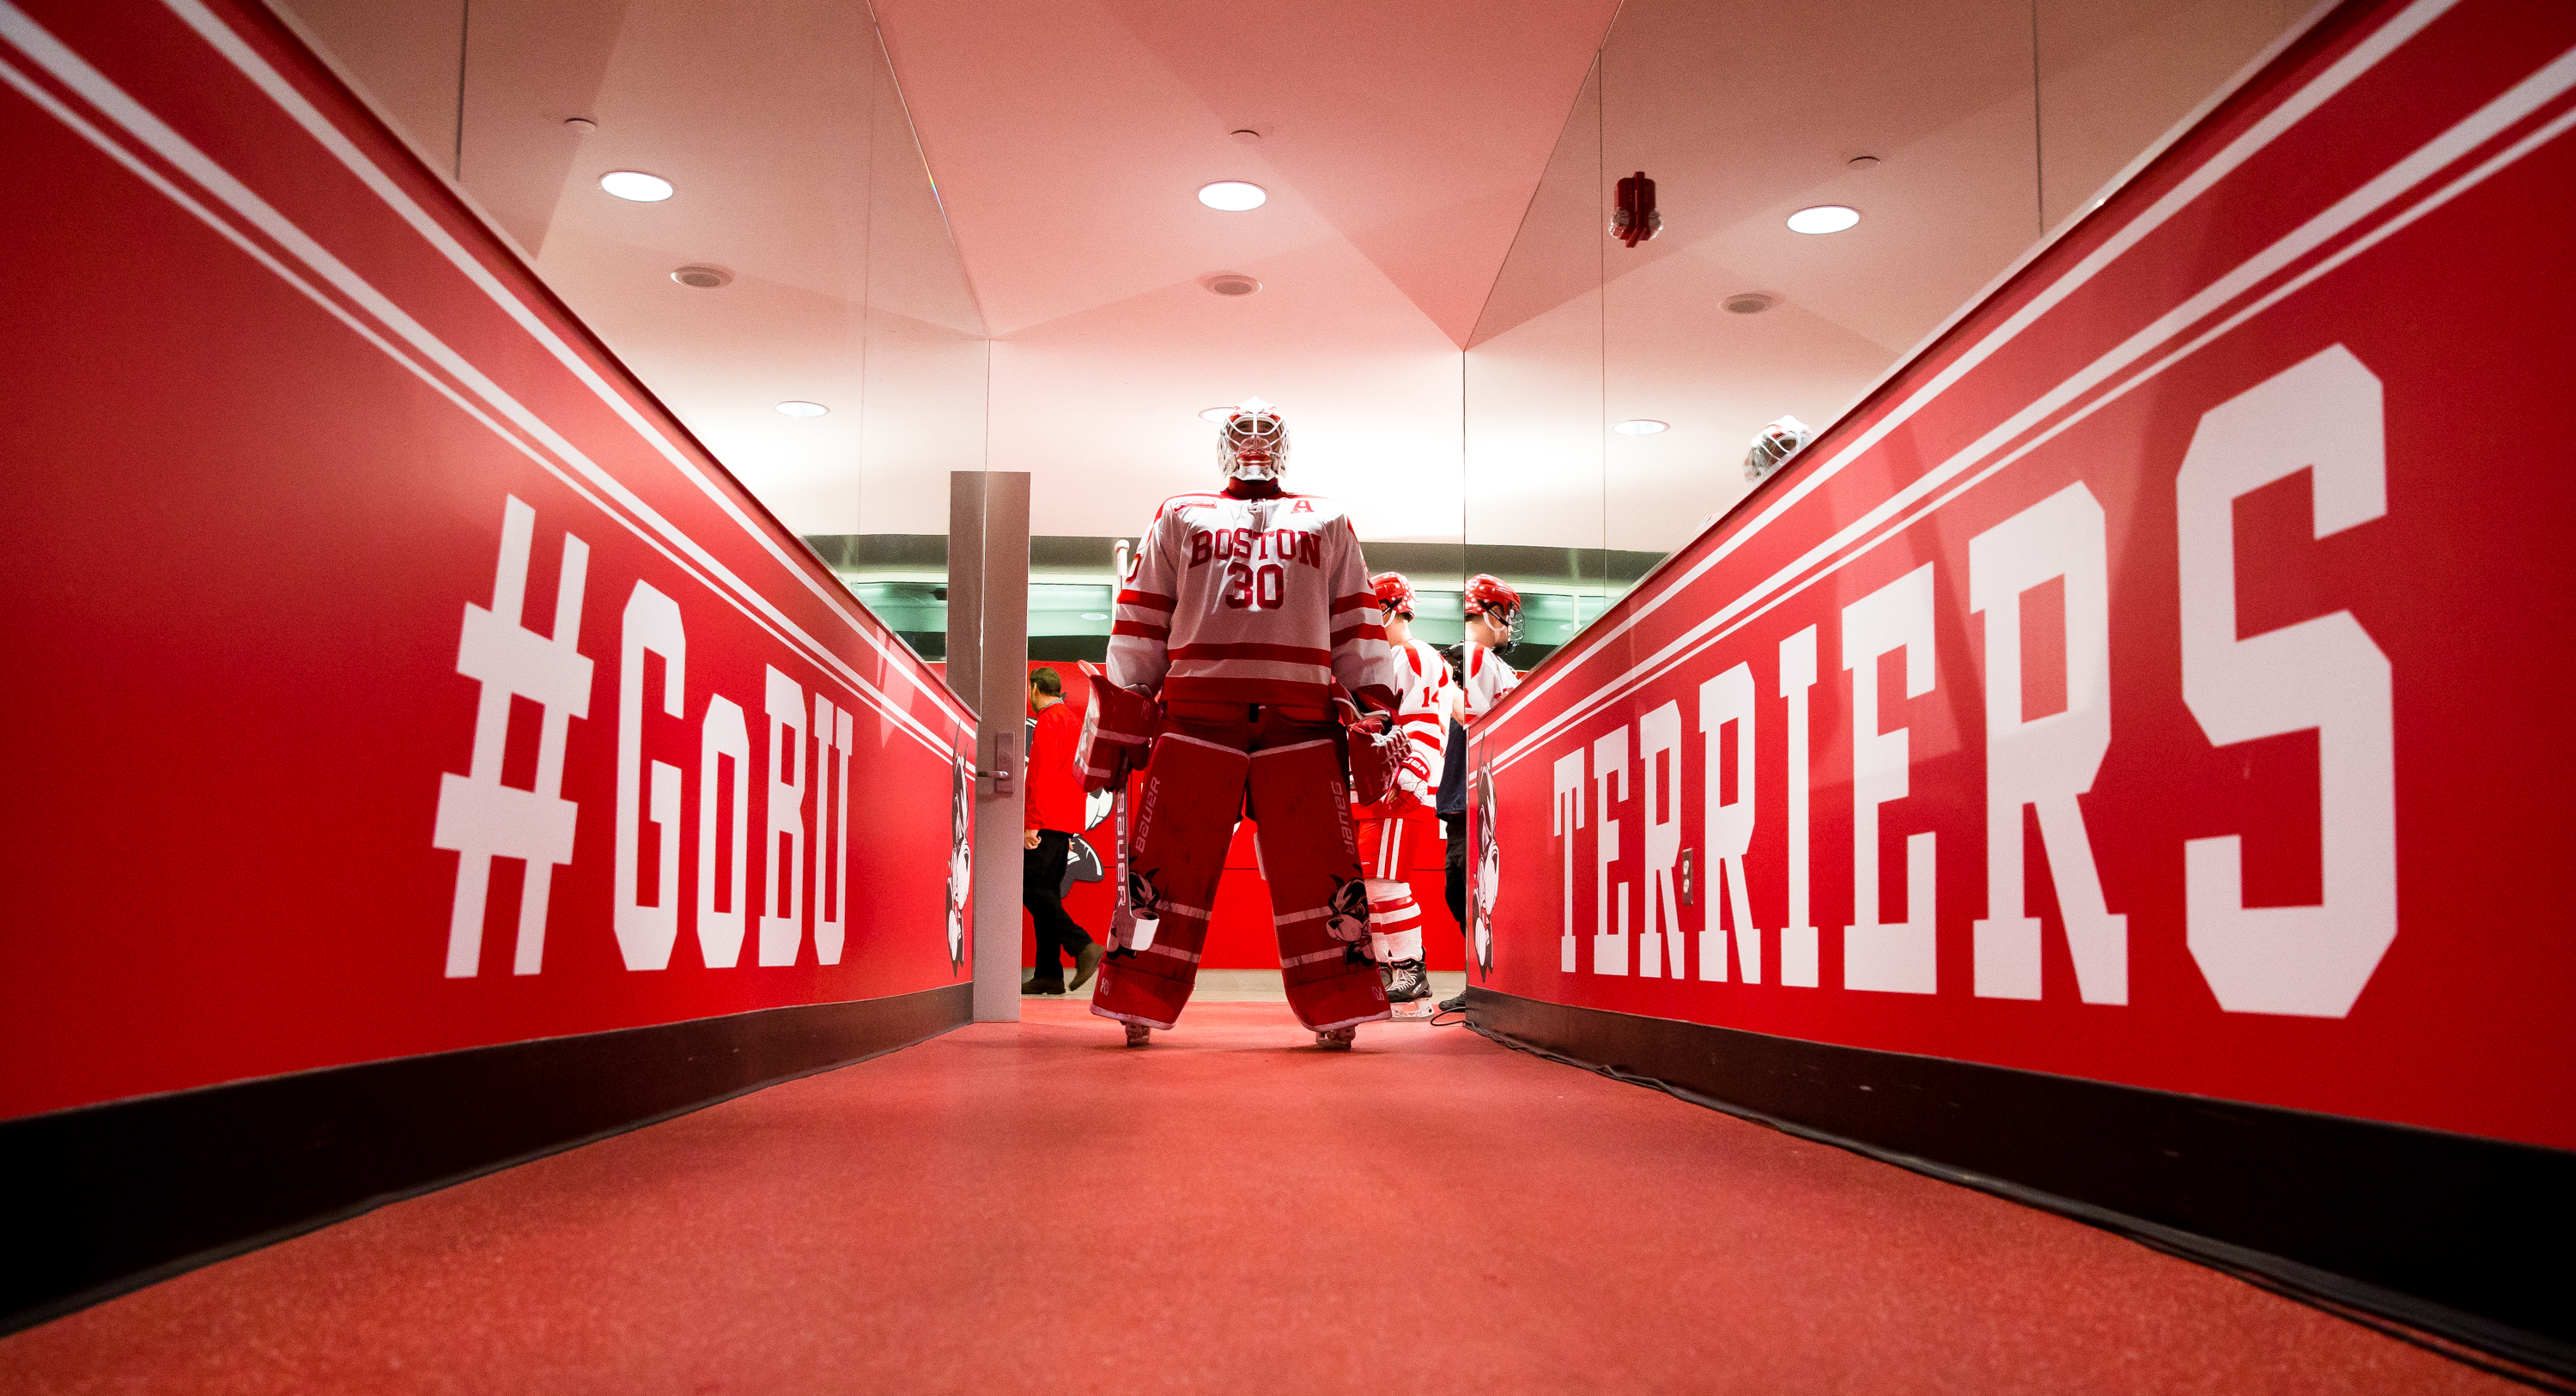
2228	535
352	566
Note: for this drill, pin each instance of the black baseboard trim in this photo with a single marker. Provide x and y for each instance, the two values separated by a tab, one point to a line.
2460	1241
105	1199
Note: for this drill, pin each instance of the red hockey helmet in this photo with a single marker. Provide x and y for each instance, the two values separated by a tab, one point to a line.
1394	593
1489	596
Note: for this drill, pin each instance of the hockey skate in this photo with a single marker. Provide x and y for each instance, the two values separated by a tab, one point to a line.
1336	1039
1137	1033
1408	990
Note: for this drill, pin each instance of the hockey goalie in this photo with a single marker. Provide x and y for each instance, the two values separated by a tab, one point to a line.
1394	829
1244	610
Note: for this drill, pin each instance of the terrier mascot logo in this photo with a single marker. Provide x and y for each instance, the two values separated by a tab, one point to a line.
1346	918
1144	914
1488	871
961	860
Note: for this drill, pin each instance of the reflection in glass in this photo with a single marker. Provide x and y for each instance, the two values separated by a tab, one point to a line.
1954	139
788	286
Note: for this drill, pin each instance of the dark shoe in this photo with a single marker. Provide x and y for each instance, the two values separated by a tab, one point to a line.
1456	1005
1035	985
1085	962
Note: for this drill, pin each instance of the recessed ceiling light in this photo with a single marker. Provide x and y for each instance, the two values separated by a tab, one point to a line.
1749	303
803	409
1823	218
1216	414
1641	426
1233	195
636	185
1232	283
580	125
1095	615
702	277
1245	136
1863	162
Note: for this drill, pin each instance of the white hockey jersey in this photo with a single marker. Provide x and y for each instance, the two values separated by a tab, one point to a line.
1486	680
1248	601
1424	691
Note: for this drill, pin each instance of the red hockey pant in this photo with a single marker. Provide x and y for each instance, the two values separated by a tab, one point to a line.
1283	768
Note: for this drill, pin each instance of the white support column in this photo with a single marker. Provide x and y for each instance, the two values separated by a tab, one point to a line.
988	645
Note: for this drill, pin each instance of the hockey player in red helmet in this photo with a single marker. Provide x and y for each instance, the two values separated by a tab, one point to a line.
1394	830
1493	615
1493	626
1243	610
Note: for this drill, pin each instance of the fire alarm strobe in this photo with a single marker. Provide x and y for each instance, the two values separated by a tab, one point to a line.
1635	219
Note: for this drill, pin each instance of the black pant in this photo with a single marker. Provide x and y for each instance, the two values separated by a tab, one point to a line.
1041	891
1457	888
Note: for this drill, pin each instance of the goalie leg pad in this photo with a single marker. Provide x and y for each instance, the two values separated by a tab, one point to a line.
1184	818
1302	813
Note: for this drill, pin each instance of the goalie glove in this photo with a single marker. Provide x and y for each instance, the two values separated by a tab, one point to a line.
1117	734
1413	777
1377	758
1378	748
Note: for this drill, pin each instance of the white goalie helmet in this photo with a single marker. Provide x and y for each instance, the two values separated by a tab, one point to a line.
1252	444
1774	444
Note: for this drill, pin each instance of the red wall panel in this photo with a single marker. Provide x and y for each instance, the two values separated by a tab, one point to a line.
2203	586
349	565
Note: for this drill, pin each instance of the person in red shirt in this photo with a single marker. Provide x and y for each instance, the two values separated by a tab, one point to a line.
1054	817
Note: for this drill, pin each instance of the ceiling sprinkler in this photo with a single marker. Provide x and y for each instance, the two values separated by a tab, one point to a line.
1635	219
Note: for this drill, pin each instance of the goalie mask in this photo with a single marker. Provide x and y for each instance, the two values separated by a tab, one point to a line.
1488	596
1394	594
1774	444
1253	443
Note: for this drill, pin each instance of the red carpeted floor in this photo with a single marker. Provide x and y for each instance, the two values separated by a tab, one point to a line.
1030	1207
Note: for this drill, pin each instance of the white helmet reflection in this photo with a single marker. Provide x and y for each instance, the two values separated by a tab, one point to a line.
1776	443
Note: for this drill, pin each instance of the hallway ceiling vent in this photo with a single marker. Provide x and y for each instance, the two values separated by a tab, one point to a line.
704	278
1232	283
1750	303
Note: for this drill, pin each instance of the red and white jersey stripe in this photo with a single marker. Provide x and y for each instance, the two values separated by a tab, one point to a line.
1248	601
1424	688
1486	680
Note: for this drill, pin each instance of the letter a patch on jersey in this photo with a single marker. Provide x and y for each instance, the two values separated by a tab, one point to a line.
1303	507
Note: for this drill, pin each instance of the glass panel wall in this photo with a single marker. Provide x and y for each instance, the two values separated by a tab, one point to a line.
1611	391
1533	488
802	258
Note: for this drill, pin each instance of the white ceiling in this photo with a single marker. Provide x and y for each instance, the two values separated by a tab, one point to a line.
1403	148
